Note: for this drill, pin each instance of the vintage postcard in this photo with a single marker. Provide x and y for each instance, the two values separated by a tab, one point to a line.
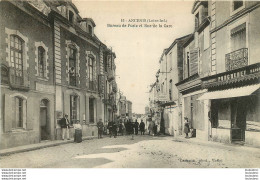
129	84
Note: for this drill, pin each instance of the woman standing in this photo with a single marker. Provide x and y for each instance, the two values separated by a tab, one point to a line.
186	127
78	132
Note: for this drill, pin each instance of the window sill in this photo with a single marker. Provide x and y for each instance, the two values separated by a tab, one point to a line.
233	12
18	130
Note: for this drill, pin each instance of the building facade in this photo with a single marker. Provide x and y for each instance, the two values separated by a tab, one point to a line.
52	64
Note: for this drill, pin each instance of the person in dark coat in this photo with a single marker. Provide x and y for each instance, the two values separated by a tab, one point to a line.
100	127
142	127
110	127
131	129
136	127
78	132
127	127
115	129
65	125
186	127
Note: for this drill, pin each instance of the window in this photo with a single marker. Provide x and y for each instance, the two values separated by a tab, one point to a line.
41	61
90	29
238	37
73	107
237	5
16	54
170	59
188	63
170	90
91	110
72	66
18	121
91	72
4	75
197	21
71	15
105	64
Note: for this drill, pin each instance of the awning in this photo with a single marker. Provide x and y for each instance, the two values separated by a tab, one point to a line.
230	93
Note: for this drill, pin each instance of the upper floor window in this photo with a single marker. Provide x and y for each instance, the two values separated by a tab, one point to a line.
16	54
71	16
91	68
90	30
237	5
41	61
72	66
238	37
73	107
197	21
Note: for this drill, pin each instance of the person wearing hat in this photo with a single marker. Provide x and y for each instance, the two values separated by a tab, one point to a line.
64	123
78	132
100	127
186	127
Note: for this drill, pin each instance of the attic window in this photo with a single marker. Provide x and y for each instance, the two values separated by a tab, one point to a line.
90	29
71	14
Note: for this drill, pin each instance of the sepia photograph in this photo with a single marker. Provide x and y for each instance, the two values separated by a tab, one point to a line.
129	84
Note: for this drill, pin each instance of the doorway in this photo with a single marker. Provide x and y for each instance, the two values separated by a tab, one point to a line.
44	120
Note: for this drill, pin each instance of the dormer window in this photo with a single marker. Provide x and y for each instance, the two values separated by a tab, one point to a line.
90	29
197	21
71	15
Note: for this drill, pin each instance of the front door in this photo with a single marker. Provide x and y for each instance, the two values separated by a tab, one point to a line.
238	120
44	121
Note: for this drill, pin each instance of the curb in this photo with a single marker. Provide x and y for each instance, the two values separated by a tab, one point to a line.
41	146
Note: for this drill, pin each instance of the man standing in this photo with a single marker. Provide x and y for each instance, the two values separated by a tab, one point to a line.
136	127
100	126
110	127
64	123
115	129
142	127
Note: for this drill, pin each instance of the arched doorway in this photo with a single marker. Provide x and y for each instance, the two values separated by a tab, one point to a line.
44	120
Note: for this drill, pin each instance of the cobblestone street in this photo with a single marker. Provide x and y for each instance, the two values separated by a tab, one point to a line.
142	152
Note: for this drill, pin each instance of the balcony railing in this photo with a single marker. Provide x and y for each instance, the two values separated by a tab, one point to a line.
237	59
20	81
110	75
92	86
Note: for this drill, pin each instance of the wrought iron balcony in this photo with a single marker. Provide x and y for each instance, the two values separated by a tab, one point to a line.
19	80
237	59
92	86
110	75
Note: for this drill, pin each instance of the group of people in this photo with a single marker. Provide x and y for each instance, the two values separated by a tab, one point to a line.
129	128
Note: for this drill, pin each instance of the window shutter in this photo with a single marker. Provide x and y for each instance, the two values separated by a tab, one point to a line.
9	113
193	62
29	119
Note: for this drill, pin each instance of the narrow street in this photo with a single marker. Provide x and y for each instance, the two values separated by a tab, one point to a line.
142	152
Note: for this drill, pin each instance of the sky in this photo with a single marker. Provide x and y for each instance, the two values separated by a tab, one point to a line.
138	49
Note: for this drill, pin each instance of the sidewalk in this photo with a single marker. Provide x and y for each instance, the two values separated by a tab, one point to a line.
40	145
235	147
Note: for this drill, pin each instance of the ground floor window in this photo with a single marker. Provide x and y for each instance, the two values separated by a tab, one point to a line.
91	110
19	120
73	107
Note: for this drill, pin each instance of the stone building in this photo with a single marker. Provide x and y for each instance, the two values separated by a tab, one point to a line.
52	64
232	99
